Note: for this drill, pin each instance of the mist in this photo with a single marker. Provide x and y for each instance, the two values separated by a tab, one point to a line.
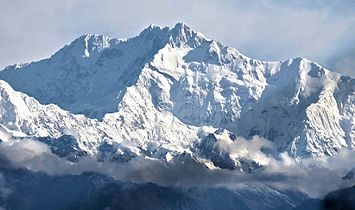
316	177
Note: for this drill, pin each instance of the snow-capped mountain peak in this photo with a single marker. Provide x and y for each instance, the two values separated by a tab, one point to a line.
182	34
85	49
156	92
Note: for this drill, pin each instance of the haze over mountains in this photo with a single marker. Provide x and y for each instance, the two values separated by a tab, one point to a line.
173	95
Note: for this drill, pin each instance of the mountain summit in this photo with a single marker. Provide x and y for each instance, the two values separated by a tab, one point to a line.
166	89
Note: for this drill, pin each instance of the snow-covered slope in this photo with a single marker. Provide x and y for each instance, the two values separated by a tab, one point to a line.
167	88
22	116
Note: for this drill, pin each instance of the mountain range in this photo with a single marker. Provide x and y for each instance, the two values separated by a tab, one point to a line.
171	96
163	92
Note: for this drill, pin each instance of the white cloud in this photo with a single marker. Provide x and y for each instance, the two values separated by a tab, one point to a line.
249	149
313	176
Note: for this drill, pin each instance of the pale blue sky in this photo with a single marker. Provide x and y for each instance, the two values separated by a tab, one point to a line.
321	30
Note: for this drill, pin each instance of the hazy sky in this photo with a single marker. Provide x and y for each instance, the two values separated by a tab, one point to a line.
320	30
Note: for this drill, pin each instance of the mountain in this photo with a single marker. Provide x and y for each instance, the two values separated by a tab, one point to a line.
336	200
162	93
21	189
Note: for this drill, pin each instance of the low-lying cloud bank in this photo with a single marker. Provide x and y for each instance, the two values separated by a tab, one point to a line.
315	177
